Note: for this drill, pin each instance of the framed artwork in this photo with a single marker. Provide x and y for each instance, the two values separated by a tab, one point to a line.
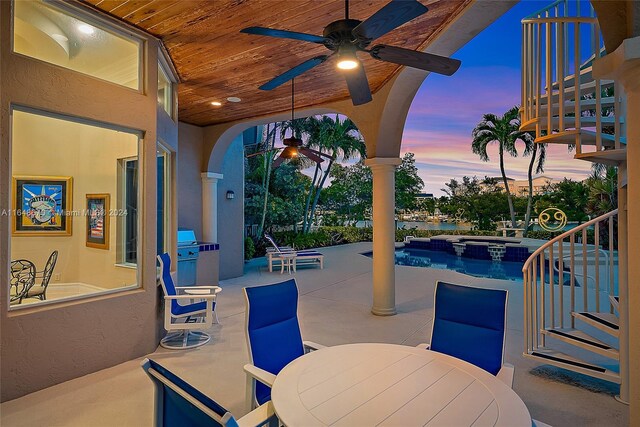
42	205
97	235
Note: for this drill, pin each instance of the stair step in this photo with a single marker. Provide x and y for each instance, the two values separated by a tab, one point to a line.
608	157
585	105
569	122
583	340
615	301
587	137
586	75
585	88
571	363
606	322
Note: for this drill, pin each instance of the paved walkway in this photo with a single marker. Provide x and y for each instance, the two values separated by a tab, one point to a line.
334	309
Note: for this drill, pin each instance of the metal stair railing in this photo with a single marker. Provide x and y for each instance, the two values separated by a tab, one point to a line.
558	88
545	302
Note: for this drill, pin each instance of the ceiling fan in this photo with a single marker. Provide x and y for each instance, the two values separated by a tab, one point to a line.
292	145
346	37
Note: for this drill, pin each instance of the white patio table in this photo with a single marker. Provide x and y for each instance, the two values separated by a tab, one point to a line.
391	385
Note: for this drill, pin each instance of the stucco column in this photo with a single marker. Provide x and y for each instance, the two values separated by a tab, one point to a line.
623	66
633	244
210	206
384	234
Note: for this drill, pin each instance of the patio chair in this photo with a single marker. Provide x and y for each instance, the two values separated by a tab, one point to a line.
284	253
183	319
470	324
178	403
40	291
273	336
23	276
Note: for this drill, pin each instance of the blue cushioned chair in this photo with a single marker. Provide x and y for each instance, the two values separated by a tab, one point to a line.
470	324
179	404
273	336
184	318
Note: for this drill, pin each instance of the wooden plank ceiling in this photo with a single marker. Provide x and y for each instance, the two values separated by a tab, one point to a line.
215	61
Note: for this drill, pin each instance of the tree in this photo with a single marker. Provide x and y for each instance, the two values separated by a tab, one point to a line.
504	131
538	153
408	183
474	200
339	139
569	196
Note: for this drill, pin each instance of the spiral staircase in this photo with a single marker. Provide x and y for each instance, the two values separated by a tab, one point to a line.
573	316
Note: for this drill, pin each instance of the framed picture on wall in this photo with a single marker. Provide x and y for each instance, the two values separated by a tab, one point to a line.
42	205
97	212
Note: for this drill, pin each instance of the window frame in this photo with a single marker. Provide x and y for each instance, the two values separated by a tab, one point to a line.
165	66
168	155
136	287
106	25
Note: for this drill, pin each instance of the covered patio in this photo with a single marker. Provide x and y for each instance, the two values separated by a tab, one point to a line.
187	105
334	309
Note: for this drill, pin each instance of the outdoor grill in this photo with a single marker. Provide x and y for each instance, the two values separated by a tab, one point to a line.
188	252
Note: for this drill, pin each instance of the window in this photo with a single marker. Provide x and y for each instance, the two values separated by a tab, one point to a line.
129	202
165	90
66	199
57	36
164	200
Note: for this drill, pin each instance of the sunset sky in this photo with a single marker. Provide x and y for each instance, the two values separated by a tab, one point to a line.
446	109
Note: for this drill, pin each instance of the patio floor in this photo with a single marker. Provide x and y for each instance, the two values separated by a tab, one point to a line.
334	309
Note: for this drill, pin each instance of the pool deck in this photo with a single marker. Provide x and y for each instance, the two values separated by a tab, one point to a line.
334	309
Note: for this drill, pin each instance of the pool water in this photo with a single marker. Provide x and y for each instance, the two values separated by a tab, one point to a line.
503	270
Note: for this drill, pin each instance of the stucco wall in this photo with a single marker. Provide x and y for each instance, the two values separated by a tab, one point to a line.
189	182
231	212
45	345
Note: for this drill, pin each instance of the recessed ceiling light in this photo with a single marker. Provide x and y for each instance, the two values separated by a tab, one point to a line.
86	29
234	99
216	103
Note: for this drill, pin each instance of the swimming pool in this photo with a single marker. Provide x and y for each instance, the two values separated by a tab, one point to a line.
503	270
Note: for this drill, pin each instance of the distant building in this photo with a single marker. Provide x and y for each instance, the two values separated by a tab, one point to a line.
424	196
520	187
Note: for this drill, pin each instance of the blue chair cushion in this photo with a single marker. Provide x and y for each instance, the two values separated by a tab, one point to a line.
182	310
170	290
273	329
178	411
469	324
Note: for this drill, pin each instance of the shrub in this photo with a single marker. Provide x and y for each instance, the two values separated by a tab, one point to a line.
249	248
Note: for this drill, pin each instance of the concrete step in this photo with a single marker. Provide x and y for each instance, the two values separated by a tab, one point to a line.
569	122
583	340
562	360
606	322
570	91
608	157
587	137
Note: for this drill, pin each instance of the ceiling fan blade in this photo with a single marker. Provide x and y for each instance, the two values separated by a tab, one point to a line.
411	58
319	153
284	34
261	152
294	72
277	162
390	17
358	85
310	154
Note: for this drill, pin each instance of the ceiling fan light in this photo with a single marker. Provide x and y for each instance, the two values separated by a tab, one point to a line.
289	153
347	64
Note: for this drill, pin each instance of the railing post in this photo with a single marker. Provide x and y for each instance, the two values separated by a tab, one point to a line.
543	302
561	280
597	263
572	262
552	291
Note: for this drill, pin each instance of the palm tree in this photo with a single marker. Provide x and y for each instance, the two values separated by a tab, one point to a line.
337	138
504	131
538	152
